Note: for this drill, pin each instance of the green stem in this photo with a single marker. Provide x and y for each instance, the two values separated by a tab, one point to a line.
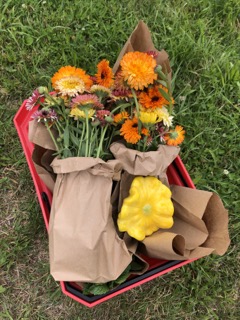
145	144
122	106
52	137
110	139
90	143
59	127
136	102
103	132
87	133
137	108
81	140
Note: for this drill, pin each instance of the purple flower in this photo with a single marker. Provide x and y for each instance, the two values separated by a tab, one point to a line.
32	101
45	115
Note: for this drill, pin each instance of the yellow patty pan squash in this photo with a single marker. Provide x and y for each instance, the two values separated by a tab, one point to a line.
147	208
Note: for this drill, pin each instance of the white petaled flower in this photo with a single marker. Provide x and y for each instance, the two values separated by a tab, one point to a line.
164	116
225	171
70	86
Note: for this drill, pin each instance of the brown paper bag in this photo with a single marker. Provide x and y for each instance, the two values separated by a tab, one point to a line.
200	228
39	135
141	40
41	160
43	153
83	243
136	163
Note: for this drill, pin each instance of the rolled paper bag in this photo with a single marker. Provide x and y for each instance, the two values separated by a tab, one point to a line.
200	228
83	243
151	163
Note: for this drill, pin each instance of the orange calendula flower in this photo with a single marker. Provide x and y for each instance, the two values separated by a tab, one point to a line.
145	131
175	137
104	76
153	99
137	68
129	131
121	116
70	81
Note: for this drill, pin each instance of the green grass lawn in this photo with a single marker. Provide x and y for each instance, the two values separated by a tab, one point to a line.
202	38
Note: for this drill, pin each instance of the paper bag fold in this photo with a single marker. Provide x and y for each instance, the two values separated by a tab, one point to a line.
41	160
151	163
200	227
39	135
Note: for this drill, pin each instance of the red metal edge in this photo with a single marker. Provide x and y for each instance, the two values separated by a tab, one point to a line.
28	148
108	297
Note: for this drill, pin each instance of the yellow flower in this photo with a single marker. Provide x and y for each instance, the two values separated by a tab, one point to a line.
77	113
71	81
148	117
147	208
137	68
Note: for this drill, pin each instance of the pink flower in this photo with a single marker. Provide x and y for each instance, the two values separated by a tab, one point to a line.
33	100
45	115
101	116
90	100
152	53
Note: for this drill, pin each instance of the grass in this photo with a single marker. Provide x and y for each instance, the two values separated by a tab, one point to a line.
202	39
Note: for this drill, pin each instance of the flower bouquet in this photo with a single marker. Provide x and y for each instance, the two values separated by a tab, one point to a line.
103	144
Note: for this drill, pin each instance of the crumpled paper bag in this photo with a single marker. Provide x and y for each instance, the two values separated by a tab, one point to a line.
200	227
136	163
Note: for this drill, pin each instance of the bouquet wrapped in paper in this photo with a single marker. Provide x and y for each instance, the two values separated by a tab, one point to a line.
103	144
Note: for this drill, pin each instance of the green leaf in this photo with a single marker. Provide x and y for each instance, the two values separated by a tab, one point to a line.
165	94
66	137
74	140
29	40
95	288
164	83
136	266
2	289
123	277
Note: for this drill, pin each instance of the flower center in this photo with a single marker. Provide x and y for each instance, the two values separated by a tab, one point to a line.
155	99
147	209
174	135
70	85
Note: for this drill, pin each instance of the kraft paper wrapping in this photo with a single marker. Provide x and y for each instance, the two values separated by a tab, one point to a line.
43	153
42	159
200	228
141	40
38	134
83	242
136	163
200	219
